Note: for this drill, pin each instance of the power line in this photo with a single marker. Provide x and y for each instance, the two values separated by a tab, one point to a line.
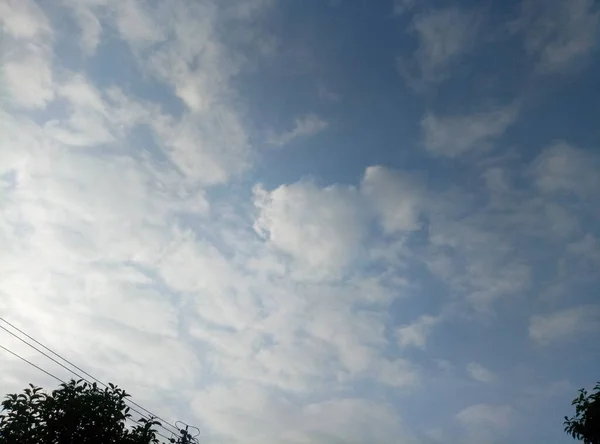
81	370
61	380
62	365
32	364
84	372
39	351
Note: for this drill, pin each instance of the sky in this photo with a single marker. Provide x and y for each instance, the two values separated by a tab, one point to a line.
307	222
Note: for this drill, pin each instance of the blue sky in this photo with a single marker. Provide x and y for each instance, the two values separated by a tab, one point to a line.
308	222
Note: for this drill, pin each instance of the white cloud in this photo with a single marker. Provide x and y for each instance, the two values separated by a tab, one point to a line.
70	246
444	37
27	73
209	144
115	251
207	150
193	61
399	373
564	325
89	24
335	419
24	19
417	333
80	93
69	265
109	234
477	262
477	249
480	373
133	19
261	416
135	24
558	34
179	46
496	416
455	135
94	118
397	197
484	423
564	168
28	78
319	227
89	118
305	126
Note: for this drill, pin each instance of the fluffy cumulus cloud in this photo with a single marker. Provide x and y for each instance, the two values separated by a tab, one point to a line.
320	227
368	291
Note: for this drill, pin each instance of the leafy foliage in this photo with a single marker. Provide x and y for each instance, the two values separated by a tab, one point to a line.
76	413
585	425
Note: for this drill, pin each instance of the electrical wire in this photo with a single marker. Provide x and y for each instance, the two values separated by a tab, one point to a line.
31	363
61	380
81	370
84	372
63	366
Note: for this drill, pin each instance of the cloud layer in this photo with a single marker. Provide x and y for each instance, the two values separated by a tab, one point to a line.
265	295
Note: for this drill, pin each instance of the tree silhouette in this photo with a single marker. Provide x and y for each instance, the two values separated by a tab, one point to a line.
585	424
76	413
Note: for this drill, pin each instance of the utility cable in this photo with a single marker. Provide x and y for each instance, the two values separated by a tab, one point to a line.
80	369
59	363
84	372
31	363
61	380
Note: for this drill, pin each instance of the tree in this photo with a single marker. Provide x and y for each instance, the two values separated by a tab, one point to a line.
76	413
585	425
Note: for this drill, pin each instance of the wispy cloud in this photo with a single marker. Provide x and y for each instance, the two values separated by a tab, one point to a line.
485	422
416	334
559	35
24	20
455	135
563	325
27	69
306	126
563	168
397	197
496	416
480	373
265	417
444	37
